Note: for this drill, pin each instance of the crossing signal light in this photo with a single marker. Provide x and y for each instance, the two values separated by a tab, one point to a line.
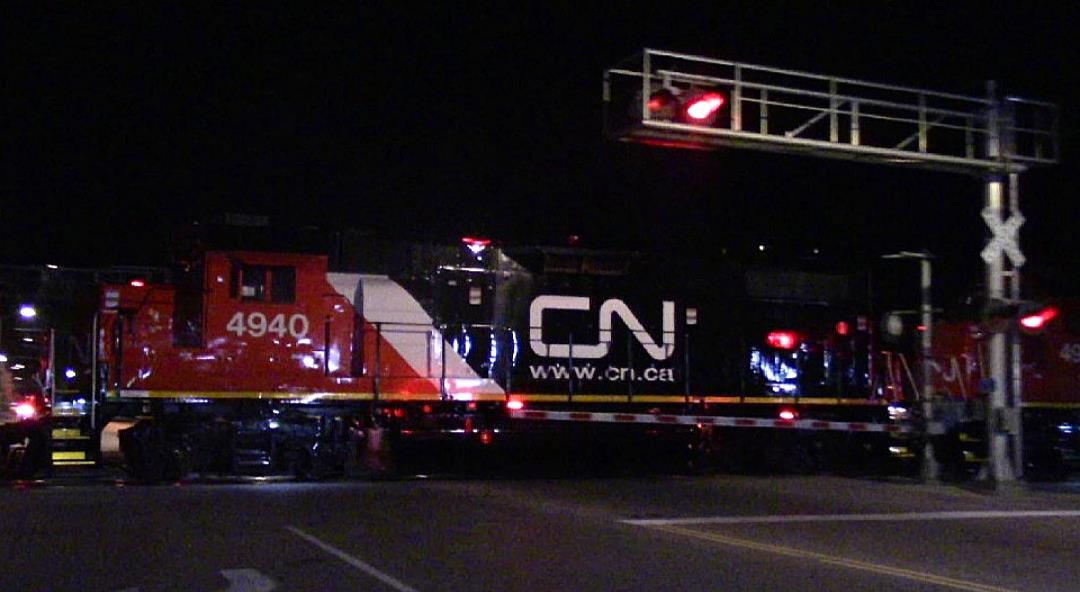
693	106
1030	316
702	108
1035	321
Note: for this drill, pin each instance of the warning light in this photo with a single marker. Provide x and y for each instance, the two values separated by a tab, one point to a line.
782	339
515	405
788	415
1037	321
702	108
661	99
137	283
662	104
695	106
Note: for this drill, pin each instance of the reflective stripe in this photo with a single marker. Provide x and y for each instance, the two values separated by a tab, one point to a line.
300	397
717	420
276	395
712	399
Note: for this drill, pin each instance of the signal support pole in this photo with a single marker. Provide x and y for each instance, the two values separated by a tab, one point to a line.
930	467
1003	260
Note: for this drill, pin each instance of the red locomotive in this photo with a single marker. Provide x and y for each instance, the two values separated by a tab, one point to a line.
271	360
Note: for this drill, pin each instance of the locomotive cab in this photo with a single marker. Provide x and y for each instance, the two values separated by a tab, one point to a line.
240	325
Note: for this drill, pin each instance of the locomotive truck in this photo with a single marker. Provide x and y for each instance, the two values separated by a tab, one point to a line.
254	361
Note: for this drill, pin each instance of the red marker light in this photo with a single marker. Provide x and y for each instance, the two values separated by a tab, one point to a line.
1038	320
476	245
705	106
137	283
782	339
515	405
788	415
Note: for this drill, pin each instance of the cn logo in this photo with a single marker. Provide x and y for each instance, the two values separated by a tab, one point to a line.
609	309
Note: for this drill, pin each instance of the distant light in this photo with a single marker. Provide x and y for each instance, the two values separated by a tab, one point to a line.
920	327
3	358
515	404
52	266
69	373
25	411
17	366
761	247
788	415
28	339
27	311
842	328
137	283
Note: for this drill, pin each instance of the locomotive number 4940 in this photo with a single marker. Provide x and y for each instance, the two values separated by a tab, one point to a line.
256	324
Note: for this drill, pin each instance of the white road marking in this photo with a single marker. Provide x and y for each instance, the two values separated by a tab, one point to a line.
899	572
247	580
353	561
902	517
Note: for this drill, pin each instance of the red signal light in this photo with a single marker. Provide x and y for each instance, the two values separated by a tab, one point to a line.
515	404
842	328
137	283
702	108
1037	321
782	339
788	414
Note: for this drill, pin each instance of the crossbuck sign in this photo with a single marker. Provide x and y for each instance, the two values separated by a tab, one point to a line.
1005	237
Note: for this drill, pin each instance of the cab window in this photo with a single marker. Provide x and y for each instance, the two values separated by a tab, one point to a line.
261	283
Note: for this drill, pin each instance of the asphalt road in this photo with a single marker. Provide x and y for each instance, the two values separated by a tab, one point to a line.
658	533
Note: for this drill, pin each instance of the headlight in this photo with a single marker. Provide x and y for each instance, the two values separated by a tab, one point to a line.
898	413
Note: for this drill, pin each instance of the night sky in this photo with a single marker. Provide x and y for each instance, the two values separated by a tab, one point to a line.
121	124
